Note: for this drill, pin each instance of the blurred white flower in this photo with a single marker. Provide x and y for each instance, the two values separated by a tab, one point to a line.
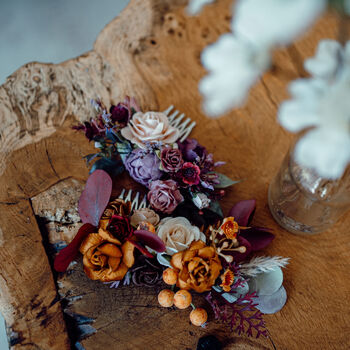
195	6
234	65
276	22
322	102
201	201
237	60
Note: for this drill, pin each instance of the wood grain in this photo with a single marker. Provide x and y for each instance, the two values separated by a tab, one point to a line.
152	51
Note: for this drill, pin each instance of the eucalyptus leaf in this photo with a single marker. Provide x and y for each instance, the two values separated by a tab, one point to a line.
216	208
164	259
90	157
124	149
110	166
266	283
269	304
231	298
225	181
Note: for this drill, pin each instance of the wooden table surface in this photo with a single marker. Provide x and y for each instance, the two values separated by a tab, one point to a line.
152	52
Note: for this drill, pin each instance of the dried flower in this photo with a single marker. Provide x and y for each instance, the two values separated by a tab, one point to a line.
105	258
164	195
200	200
190	174
171	159
178	233
199	267
119	114
144	215
119	227
142	167
227	279
229	228
115	207
150	127
146	272
192	151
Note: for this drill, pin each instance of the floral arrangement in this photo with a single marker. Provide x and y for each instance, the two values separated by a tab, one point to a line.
149	148
183	241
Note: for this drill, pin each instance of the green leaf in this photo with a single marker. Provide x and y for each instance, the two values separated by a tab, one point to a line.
110	166
90	157
216	208
225	181
123	149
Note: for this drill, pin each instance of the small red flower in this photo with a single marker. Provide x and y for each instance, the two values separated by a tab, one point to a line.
190	174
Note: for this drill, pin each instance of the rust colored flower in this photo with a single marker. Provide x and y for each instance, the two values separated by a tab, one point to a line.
105	258
198	267
229	227
227	279
115	207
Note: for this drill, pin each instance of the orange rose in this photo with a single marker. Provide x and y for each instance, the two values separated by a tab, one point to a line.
198	267
105	258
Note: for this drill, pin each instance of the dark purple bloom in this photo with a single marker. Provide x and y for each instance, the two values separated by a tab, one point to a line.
119	114
142	167
192	151
190	174
171	159
90	130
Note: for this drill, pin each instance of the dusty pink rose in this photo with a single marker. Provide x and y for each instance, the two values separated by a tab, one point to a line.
150	127
171	159
164	195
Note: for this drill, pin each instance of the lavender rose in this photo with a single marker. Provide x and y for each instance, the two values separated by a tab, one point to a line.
164	195
171	159
143	167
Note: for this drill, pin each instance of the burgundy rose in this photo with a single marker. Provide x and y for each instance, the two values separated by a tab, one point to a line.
119	227
119	114
190	174
164	195
142	167
171	159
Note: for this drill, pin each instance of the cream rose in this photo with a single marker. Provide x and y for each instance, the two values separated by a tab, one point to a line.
178	233
150	127
144	215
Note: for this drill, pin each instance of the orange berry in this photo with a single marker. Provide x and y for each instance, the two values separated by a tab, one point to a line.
182	299
166	298
198	316
170	276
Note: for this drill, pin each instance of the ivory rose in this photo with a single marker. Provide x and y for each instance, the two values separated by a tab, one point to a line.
150	127
178	233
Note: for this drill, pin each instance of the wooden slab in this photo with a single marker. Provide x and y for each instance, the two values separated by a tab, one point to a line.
152	52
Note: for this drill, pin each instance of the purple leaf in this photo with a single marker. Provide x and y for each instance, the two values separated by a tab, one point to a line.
95	197
258	237
142	249
243	211
150	239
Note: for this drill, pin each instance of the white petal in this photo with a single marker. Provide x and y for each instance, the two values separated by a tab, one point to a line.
274	21
162	260
324	64
325	150
195	6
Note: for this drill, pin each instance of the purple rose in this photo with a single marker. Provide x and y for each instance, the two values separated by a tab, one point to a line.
171	159
164	195
143	167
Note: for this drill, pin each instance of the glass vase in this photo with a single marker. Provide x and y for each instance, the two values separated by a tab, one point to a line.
303	202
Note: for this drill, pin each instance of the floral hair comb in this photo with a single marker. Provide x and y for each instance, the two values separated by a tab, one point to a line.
175	234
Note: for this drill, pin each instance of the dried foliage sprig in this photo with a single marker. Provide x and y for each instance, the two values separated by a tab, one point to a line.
262	264
241	316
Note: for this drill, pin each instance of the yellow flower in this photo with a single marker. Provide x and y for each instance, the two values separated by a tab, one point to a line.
229	227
